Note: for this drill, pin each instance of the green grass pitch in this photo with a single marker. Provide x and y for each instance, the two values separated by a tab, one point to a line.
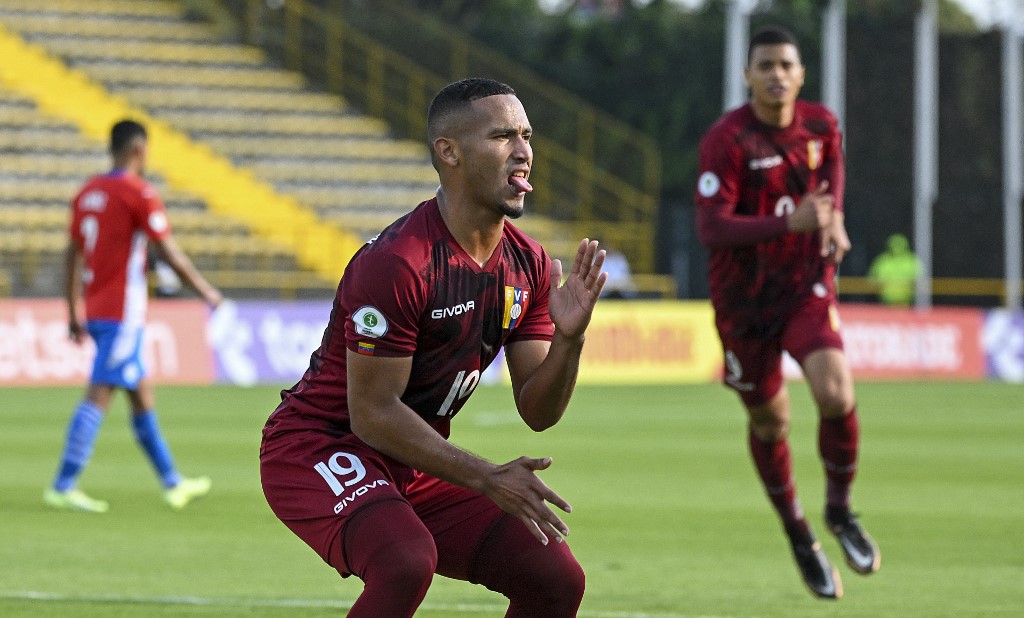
668	521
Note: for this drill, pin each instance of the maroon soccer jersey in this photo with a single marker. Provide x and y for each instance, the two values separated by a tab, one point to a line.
751	176
413	291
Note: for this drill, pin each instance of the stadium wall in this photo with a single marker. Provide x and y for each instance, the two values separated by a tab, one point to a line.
629	342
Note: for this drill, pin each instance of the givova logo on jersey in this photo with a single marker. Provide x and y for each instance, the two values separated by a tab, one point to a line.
516	301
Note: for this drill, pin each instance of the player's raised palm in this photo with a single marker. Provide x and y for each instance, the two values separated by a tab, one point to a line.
572	303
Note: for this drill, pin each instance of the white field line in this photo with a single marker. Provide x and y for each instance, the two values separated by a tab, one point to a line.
455	608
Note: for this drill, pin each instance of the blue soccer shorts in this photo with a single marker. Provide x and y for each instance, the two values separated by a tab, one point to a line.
118	359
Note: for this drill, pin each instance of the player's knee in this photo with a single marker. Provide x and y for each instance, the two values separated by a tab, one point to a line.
412	572
396	579
539	580
403	567
834	401
567	589
387	545
770	429
554	587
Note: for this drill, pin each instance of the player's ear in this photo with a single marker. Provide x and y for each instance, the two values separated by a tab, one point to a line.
447	151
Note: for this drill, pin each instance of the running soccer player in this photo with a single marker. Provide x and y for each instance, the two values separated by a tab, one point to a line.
770	209
356	459
112	218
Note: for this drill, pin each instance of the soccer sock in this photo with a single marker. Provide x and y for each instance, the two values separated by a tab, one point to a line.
838	442
147	432
82	431
775	466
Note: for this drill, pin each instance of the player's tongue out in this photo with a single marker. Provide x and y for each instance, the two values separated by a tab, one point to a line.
519	184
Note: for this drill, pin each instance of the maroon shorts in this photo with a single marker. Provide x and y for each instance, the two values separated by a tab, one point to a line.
314	482
753	366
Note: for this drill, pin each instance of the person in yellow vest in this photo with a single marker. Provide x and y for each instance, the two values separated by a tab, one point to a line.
895	272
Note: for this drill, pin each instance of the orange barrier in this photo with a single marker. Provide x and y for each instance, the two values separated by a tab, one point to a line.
884	343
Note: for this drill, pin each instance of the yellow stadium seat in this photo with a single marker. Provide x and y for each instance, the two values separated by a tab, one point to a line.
285	146
93	26
212	76
149	51
280	123
138	8
242	100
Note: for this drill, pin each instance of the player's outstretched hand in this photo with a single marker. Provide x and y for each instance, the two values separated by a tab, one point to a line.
572	303
517	489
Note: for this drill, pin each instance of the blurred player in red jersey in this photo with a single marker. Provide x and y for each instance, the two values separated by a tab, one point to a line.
113	218
356	461
770	209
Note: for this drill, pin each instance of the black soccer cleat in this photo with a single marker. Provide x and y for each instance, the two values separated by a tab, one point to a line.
860	550
821	577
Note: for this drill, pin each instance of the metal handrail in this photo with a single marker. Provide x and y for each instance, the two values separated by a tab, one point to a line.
940	286
573	182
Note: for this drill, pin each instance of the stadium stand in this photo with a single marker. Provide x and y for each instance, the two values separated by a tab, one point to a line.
178	72
311	149
45	161
307	145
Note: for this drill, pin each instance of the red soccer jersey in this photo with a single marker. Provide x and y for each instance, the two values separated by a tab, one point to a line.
751	176
413	291
111	219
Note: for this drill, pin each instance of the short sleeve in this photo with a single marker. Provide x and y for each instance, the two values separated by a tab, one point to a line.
536	321
384	299
153	216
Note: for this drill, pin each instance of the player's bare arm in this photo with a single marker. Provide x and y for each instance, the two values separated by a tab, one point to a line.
72	290
383	421
543	374
182	265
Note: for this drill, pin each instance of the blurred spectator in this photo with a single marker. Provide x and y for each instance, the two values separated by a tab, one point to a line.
620	282
167	282
895	272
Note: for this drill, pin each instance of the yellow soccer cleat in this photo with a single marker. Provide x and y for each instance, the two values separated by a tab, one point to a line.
186	491
74	500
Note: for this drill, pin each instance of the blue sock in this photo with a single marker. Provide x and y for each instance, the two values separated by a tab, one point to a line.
82	431
147	432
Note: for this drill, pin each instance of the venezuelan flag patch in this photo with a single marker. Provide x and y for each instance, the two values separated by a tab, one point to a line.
365	348
815	153
516	300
